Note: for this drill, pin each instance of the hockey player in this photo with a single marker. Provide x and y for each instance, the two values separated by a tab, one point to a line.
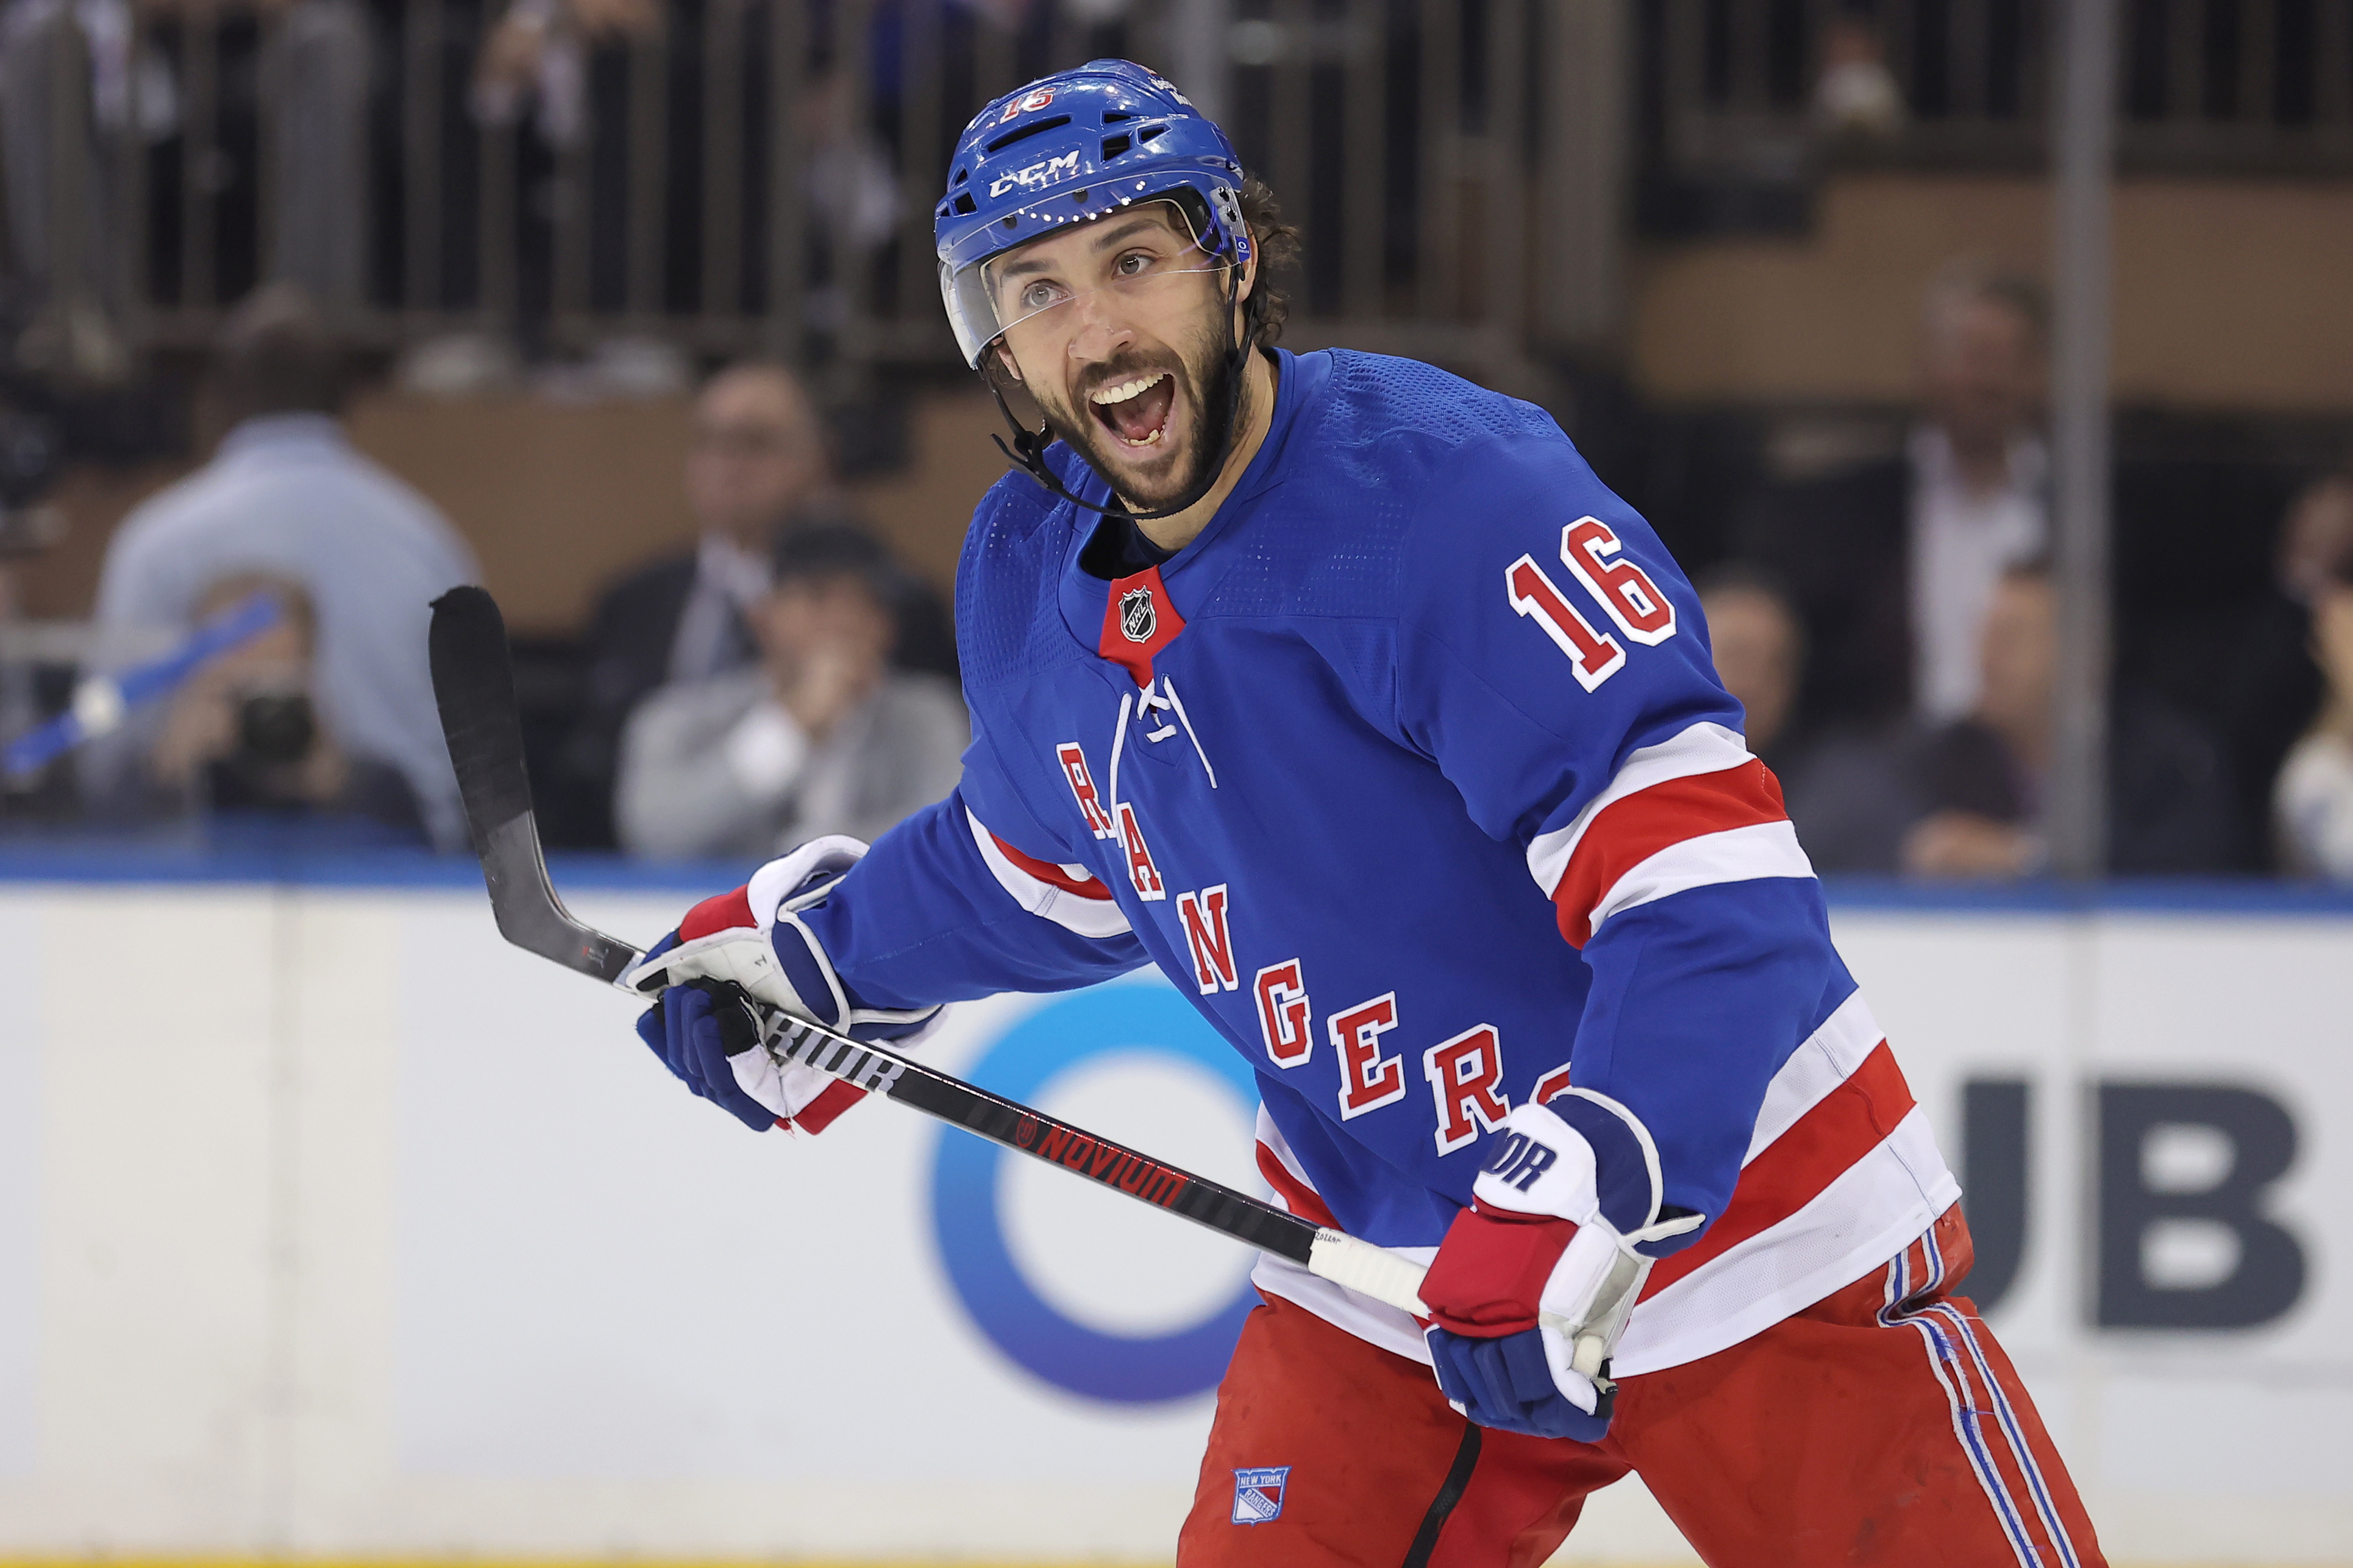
1341	689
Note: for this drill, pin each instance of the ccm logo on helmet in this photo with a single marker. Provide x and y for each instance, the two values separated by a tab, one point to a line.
1044	173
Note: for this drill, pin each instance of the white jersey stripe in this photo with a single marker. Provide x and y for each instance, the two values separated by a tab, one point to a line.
1701	748
1088	917
1368	1320
1823	1060
1869	1212
1373	1322
1735	854
1867	1215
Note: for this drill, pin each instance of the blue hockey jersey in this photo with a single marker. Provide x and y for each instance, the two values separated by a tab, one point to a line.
1413	771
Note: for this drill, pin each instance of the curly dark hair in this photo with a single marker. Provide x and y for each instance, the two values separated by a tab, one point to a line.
1277	243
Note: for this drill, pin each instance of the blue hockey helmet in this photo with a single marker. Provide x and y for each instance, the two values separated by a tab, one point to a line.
1070	147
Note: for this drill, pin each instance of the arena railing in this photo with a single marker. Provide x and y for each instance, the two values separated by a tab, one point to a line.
730	174
1733	101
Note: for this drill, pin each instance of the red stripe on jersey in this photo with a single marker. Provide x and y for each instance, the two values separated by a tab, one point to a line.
1046	871
1297	1196
817	1114
722	912
1848	1124
1630	831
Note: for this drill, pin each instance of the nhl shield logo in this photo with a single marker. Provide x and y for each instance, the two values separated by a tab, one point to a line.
1258	1495
1137	618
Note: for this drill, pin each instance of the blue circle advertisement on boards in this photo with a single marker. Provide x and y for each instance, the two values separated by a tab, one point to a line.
967	1219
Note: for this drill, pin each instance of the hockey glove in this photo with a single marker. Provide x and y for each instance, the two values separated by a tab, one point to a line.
1535	1281
755	939
701	1030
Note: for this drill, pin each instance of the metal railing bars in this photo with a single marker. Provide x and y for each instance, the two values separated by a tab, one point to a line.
2212	86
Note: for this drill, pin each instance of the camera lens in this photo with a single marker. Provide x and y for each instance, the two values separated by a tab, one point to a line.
276	727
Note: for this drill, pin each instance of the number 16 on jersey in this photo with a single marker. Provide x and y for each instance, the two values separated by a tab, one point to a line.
1591	552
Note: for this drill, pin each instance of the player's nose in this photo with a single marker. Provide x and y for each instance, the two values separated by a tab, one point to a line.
1100	329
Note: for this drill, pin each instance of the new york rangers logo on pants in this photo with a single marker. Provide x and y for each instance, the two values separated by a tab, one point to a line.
1258	1495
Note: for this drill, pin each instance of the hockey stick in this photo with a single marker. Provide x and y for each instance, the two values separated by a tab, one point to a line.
101	702
473	683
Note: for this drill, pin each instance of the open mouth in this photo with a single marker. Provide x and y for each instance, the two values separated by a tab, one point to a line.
1136	412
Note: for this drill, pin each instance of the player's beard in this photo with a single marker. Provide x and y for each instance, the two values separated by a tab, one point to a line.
1205	377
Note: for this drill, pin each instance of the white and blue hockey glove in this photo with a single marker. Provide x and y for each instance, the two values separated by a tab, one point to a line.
754	938
1535	1281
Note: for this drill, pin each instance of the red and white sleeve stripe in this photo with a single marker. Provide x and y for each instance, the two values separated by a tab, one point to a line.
1841	1173
1069	896
1690	812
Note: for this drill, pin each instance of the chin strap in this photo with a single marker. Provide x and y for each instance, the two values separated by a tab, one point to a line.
1028	451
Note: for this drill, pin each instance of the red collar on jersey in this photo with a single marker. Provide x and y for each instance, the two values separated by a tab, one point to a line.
1138	622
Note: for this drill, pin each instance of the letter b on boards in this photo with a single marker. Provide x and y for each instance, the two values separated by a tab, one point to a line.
2143	1205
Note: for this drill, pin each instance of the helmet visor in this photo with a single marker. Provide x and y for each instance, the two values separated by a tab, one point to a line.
1036	295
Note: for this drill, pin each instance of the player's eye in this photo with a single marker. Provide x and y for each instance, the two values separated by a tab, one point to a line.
1036	296
1134	264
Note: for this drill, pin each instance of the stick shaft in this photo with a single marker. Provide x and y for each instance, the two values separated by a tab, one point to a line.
473	683
1027	1131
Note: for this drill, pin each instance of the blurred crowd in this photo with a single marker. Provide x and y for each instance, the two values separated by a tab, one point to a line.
781	677
1892	630
1890	626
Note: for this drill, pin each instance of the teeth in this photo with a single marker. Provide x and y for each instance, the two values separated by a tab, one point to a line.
1126	390
1148	441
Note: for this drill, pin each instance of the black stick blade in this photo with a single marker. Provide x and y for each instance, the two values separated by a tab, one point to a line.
473	685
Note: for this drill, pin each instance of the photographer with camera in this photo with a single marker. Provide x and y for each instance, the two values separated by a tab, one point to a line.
288	498
244	737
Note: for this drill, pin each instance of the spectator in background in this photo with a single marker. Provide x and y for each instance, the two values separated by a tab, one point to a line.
73	77
758	471
2313	800
243	736
316	69
2268	689
1967	798
66	197
1856	95
550	65
1891	564
1760	655
820	737
538	53
286	496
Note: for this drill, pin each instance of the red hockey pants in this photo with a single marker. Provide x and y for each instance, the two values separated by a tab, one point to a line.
1883	1425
